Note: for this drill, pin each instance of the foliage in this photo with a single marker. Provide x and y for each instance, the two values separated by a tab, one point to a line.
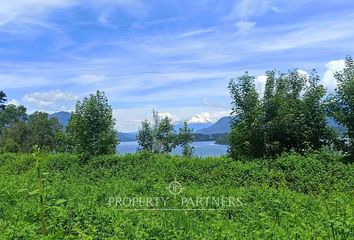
290	116
160	137
3	99
185	138
12	114
246	137
42	131
15	138
341	105
21	134
291	197
146	137
165	136
91	127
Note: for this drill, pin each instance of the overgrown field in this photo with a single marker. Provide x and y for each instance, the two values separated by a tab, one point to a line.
292	197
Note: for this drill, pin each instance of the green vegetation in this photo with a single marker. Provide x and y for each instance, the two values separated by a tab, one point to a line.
292	114
3	99
91	128
292	197
160	137
341	105
293	178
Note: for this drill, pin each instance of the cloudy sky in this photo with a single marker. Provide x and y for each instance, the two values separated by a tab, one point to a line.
176	56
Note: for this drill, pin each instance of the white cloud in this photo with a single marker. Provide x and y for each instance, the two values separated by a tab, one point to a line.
54	100
9	81
13	102
173	117
245	26
303	73
331	67
213	104
307	35
198	32
260	84
16	10
250	8
90	79
29	11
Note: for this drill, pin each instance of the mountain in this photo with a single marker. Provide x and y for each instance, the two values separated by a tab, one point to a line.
196	122
194	126
63	117
221	126
126	137
333	124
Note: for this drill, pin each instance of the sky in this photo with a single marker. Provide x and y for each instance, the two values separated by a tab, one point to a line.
174	56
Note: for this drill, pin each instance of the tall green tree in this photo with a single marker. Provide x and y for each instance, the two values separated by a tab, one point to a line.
15	138
13	128
42	131
91	126
12	114
246	137
185	138
146	137
3	99
283	112
316	130
341	105
165	136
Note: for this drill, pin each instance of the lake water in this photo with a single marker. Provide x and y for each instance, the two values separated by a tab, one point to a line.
203	149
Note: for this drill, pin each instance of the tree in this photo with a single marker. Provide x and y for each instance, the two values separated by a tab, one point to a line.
146	137
246	137
12	114
3	99
91	127
14	138
42	131
316	130
290	117
185	137
341	105
165	136
160	136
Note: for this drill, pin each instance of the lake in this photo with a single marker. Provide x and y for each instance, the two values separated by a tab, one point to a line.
202	149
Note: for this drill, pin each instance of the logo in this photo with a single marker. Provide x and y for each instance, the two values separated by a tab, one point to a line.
175	188
180	203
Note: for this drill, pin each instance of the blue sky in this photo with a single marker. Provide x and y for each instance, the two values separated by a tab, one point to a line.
176	56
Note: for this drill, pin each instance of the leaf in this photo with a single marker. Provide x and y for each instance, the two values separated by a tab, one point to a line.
34	192
60	201
22	190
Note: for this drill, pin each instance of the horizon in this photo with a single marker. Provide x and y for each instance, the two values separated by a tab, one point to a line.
175	58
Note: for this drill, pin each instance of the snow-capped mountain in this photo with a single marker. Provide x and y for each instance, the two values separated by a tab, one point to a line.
200	118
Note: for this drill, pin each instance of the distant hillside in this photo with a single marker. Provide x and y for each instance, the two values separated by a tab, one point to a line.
63	117
333	124
126	137
194	126
221	126
203	131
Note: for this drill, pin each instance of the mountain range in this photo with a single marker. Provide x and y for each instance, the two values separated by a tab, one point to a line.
203	128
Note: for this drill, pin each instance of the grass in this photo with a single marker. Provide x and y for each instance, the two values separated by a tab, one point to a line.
292	197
